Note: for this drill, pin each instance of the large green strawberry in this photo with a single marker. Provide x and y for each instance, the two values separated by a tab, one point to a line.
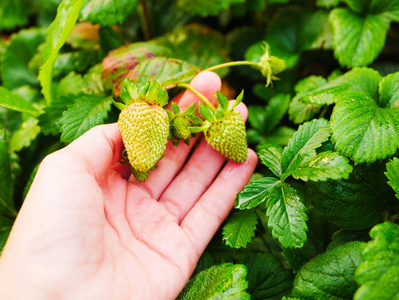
144	125
224	129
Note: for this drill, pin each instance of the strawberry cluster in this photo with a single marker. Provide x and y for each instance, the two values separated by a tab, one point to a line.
146	126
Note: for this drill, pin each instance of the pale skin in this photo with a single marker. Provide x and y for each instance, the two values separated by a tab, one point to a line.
88	230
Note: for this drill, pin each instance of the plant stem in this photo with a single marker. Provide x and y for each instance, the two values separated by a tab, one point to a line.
198	94
233	63
145	20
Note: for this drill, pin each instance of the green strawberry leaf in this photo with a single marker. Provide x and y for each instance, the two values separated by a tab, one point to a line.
356	203
57	33
107	12
364	131
198	45
78	61
240	228
87	112
204	8
267	277
255	193
326	165
49	121
191	109
303	144
24	136
167	71
281	136
5	228
270	156
13	13
330	275
6	180
287	217
225	281
14	102
389	91
392	174
14	64
358	39
377	275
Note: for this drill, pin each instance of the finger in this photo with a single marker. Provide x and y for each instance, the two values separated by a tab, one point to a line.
196	176
98	149
203	220
206	83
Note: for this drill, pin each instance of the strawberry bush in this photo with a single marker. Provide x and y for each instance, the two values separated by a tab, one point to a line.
320	217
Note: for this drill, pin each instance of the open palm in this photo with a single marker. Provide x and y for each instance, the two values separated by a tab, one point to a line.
87	230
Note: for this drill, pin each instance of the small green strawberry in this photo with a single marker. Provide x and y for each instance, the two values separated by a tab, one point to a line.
144	125
270	65
180	123
224	129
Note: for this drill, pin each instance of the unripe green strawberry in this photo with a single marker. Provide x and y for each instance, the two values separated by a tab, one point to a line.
144	125
144	129
227	136
224	128
181	128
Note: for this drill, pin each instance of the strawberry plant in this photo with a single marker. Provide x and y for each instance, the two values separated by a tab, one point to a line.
319	217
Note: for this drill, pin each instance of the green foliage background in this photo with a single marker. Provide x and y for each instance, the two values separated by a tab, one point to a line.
319	218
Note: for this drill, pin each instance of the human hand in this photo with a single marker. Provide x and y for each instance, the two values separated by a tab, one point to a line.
89	230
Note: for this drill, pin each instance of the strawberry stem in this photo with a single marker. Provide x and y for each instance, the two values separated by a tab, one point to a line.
233	63
198	94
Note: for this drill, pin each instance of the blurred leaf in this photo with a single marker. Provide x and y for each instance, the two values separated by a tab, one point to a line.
120	61
240	228
327	3
13	13
344	236
78	61
87	112
197	44
5	228
204	8
24	136
266	120
392	174
330	275
267	277
378	273
167	71
296	29
281	136
15	102
300	112
6	181
57	34
358	39
225	281
107	12
355	203
255	193
14	63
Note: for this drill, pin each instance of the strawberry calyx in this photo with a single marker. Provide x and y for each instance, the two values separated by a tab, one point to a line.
150	92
